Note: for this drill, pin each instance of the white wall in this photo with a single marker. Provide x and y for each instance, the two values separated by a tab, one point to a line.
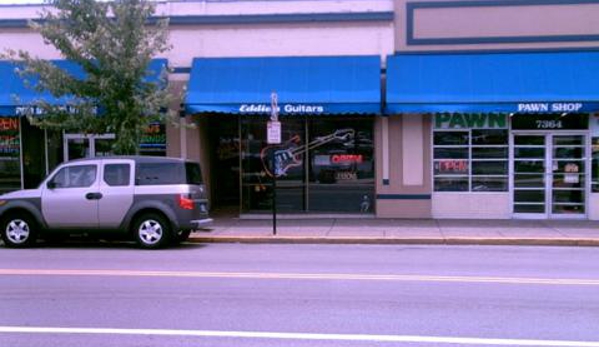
471	205
314	39
245	40
272	7
593	207
231	7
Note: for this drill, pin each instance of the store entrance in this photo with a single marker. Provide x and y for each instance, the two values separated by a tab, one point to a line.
549	175
223	151
77	146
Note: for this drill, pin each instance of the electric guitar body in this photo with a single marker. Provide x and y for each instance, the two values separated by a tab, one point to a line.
290	154
286	156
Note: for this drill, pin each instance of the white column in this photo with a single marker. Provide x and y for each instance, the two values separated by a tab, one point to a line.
412	150
183	137
46	159
22	167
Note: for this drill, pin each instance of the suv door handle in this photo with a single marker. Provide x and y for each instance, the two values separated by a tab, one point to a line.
93	196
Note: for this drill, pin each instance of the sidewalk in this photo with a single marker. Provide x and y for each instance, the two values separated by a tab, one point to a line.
230	229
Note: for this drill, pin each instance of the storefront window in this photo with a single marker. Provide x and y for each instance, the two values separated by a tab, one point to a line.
470	153
34	159
341	165
595	165
223	134
322	164
10	154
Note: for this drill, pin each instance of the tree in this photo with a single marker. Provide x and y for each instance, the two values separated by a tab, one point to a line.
114	43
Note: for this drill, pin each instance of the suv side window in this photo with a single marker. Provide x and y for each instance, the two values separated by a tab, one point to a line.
194	174
117	174
79	176
159	173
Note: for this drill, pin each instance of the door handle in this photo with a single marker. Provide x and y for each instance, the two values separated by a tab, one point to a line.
93	196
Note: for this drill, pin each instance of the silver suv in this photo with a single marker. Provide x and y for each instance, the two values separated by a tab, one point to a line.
155	200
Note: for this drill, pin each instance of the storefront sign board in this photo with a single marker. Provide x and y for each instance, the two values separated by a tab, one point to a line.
547	107
285	109
571	121
470	121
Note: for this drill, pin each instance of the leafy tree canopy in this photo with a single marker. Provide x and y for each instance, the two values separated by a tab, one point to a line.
114	44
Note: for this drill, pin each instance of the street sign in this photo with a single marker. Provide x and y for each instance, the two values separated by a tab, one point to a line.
273	133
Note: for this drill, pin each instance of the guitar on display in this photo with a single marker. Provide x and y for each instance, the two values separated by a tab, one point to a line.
289	154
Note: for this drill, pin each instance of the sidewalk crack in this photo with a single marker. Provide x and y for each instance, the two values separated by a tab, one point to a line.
500	233
549	226
439	229
328	233
230	227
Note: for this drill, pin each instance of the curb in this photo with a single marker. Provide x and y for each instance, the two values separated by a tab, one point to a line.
396	241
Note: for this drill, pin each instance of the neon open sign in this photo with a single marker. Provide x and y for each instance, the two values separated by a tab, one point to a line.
347	158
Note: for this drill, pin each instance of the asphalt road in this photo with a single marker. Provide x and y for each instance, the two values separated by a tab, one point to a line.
92	294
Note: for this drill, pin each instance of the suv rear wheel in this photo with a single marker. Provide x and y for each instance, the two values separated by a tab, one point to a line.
18	230
151	231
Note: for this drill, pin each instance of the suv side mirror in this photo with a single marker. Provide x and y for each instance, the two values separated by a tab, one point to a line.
51	184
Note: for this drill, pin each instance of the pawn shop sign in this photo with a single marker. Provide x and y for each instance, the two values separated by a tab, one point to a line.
273	132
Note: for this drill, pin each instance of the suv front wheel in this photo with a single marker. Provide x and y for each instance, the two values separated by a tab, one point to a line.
151	231
18	230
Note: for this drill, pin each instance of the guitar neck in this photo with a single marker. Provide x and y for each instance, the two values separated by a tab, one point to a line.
312	145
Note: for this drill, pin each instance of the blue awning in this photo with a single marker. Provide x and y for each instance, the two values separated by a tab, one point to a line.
14	93
494	82
304	85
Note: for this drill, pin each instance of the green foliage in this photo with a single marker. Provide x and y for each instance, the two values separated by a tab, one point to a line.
114	44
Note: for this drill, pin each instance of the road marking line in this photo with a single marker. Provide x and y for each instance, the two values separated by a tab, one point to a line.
300	276
301	336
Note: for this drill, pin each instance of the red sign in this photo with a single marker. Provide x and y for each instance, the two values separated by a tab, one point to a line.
346	158
452	166
9	123
10	144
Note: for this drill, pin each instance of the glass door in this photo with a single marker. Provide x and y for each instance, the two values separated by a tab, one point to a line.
77	146
549	179
567	176
529	181
103	145
257	159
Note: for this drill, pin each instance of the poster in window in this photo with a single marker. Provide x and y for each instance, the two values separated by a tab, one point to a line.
153	140
571	175
10	154
9	137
